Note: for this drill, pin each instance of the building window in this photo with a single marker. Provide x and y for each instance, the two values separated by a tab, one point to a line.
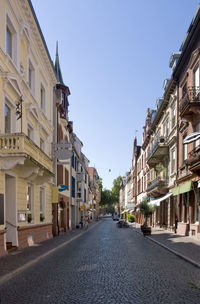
184	90
185	152
197	129
42	201
41	144
84	195
11	40
73	161
30	132
42	98
173	160
166	127
31	77
7	119
73	186
29	198
86	178
173	116
8	42
63	99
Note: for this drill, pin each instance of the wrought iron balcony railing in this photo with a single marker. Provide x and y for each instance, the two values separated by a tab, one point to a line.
192	94
159	141
194	156
156	183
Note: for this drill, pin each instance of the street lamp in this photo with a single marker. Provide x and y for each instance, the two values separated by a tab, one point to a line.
18	110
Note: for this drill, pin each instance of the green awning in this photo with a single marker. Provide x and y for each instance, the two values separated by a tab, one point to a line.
186	187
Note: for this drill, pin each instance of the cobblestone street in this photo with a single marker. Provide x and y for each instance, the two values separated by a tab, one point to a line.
106	265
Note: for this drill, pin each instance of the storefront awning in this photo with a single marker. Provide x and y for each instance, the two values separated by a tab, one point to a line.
160	199
186	187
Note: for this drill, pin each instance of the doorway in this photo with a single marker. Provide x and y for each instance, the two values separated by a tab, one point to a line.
11	210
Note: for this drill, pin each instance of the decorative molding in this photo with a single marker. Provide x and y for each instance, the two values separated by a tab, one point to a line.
9	163
194	58
183	126
36	35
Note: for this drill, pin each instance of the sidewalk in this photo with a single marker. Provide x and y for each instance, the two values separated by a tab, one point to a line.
185	247
17	261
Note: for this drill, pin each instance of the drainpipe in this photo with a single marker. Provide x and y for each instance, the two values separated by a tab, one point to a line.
177	148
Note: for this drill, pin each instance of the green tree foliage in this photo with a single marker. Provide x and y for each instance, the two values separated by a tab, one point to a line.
110	197
146	209
106	197
115	189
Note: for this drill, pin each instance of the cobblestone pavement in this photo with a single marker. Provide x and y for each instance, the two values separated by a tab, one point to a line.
186	246
106	265
19	258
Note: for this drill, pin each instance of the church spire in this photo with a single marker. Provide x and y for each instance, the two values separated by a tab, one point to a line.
57	67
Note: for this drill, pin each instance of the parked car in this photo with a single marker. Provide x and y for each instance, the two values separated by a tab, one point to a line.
115	217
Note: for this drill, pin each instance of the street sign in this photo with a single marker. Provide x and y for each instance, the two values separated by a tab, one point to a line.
63	163
63	154
61	150
63	188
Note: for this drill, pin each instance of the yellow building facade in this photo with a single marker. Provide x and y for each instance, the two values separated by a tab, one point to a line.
27	80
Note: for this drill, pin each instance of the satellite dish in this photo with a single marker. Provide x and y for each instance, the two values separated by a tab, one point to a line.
191	137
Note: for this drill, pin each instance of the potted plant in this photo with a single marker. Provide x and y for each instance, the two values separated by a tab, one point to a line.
146	209
29	218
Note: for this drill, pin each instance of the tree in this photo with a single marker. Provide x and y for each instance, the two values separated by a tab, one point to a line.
116	188
146	209
110	197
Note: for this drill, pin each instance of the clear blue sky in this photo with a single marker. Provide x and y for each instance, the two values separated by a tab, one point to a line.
114	56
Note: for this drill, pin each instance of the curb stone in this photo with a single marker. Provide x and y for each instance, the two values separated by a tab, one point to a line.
170	250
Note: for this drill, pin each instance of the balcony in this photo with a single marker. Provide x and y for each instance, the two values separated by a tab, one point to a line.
193	161
17	149
158	186
190	103
157	153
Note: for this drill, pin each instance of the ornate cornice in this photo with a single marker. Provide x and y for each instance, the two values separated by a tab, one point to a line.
30	19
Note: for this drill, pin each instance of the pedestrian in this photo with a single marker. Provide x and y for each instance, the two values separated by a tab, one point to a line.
176	223
81	221
86	222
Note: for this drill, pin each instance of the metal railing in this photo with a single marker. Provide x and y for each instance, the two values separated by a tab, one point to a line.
159	141
192	94
156	182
